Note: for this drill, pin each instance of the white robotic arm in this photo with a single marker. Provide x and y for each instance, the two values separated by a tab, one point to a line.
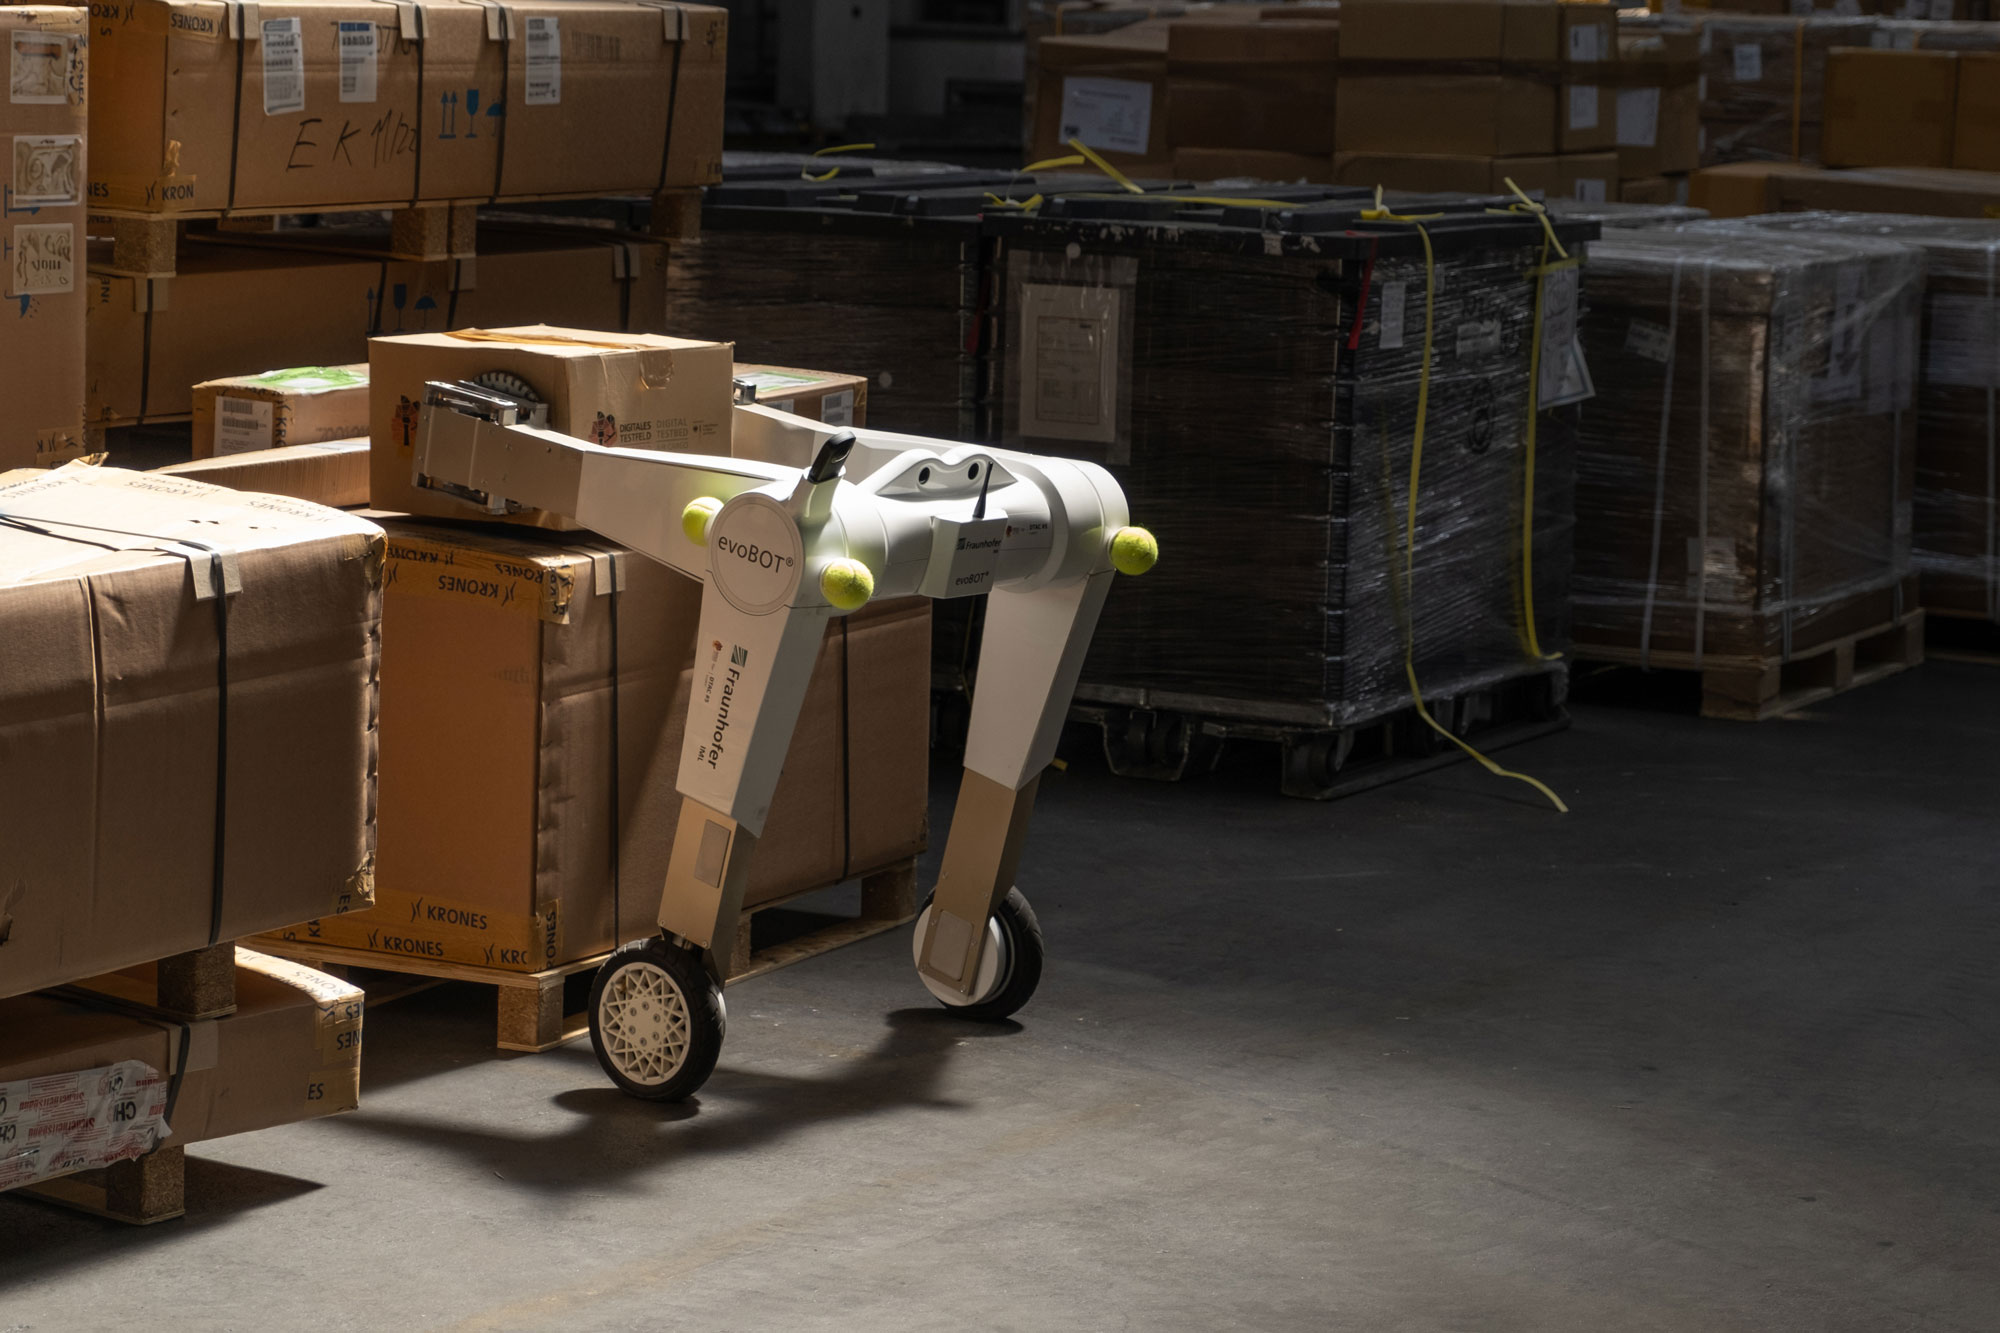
811	524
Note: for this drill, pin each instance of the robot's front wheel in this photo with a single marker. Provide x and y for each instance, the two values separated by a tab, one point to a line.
656	1020
1009	970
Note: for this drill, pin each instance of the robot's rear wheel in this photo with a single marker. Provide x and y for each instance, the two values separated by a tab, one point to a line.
1011	966
656	1020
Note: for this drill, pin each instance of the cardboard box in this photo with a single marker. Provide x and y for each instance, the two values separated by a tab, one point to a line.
1541	33
1486	115
316	103
1592	177
1740	189
1109	91
636	391
235	307
84	1084
1658	129
543	833
821	395
1889	108
1976	137
1654	190
334	473
1255	164
41	327
1267	84
1744	188
307	405
110	713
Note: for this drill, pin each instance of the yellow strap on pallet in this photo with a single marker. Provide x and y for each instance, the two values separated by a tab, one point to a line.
1381	214
1105	167
805	175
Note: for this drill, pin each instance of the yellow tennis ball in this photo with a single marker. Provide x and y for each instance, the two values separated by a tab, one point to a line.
1133	550
700	512
847	584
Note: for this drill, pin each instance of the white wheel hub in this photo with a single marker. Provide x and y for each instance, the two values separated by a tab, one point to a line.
995	963
642	1018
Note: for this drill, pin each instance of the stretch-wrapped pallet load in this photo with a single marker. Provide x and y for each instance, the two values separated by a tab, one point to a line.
1744	475
1625	215
187	717
1763	83
1252	378
1956	526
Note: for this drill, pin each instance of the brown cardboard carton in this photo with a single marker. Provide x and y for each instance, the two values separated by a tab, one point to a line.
572	277
1587	117
542	834
1740	189
1592	177
306	103
820	395
109	1086
1889	108
1976	139
1485	115
110	713
636	391
1109	91
1658	101
1207	164
307	405
42	237
1654	190
1572	37
1933	191
333	473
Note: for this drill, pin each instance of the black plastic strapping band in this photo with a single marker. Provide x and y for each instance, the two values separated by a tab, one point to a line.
506	103
673	96
617	832
146	351
417	168
99	1002
236	119
218	585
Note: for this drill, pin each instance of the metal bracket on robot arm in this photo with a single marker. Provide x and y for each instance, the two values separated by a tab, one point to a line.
769	534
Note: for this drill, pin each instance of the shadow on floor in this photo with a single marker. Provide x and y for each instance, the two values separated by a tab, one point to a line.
616	1140
44	1238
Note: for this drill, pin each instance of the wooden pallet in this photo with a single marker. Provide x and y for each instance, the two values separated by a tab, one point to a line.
139	1191
147	245
532	1015
1753	690
1168	737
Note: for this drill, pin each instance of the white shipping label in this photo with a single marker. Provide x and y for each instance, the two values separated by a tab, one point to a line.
1583	106
357	62
837	409
1638	117
1593	190
1479	337
1841	380
1748	62
1586	43
284	67
544	62
1109	115
1395	304
242	425
61	1123
1556	383
39	67
44	260
1071	372
48	169
1650	340
1963	348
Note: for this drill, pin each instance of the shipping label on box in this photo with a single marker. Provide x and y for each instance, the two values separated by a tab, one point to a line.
62	1123
1070	371
1109	115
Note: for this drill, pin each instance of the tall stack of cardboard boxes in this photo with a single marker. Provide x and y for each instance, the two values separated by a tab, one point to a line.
1253	99
1467	94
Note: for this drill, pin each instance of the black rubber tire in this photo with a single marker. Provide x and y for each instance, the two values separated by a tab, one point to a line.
1025	951
707	1018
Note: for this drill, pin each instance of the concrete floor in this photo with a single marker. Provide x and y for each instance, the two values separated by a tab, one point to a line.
1715	1051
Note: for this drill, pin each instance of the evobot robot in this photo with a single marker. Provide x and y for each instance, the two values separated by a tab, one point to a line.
807	523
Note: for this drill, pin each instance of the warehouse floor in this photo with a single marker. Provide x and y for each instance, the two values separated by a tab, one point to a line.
1714	1051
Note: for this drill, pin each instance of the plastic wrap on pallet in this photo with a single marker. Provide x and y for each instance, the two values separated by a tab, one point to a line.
1956	524
1609	215
1763	83
1744	474
1257	401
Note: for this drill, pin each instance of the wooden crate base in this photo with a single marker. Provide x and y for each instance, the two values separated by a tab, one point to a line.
1752	691
139	1191
530	1009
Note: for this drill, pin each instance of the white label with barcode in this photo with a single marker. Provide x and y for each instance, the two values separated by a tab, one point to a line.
1593	189
1748	59
241	425
1583	106
1650	340
284	67
837	409
1586	43
357	62
544	62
